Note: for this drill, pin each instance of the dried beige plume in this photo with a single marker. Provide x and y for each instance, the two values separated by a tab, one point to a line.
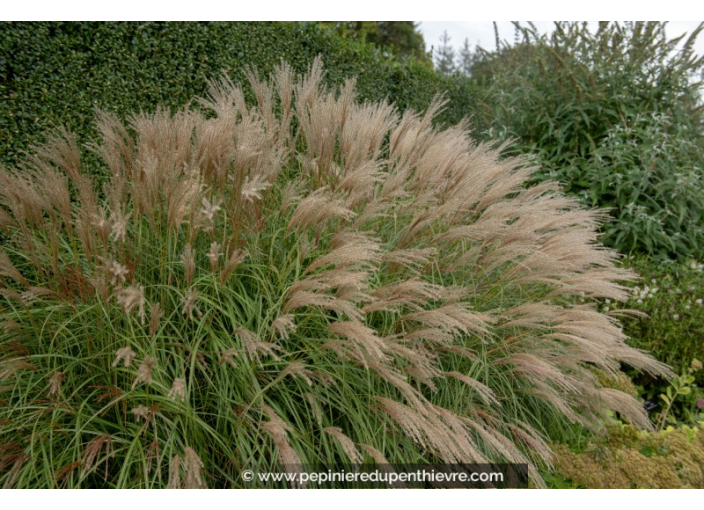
228	357
91	453
119	222
193	468
189	304
363	336
316	209
174	473
8	270
298	369
284	326
55	384
144	372
278	430
142	412
178	389
189	263
156	313
484	392
126	354
209	209
346	443
130	298
254	347
34	293
235	259
214	254
118	272
252	188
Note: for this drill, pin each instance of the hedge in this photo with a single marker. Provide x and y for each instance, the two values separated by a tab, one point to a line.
56	74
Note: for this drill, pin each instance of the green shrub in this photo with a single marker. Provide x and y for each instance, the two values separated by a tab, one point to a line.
311	280
669	301
616	117
55	74
670	295
629	459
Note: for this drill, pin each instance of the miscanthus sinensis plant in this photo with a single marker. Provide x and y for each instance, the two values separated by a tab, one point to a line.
305	280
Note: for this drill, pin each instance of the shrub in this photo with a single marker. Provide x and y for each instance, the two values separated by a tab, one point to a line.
54	74
308	281
670	297
670	459
615	116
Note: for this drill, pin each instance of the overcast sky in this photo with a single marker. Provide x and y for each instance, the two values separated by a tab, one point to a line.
482	32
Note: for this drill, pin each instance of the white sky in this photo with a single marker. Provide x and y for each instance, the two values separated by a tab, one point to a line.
482	32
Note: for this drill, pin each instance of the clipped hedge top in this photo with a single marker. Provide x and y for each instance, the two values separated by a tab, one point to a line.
56	74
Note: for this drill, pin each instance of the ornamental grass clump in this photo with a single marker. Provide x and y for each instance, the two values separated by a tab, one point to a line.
306	280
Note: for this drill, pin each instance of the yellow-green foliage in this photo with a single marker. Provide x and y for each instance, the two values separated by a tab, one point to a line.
619	381
627	458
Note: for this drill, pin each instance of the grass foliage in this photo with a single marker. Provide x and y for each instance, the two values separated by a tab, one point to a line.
307	279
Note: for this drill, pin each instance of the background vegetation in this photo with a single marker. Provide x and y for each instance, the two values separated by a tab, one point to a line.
56	74
615	115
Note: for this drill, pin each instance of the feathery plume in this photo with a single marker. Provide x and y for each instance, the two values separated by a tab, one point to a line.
142	412
214	254
178	389
234	260
174	473
91	452
346	443
298	369
193	468
284	326
118	229
130	298
278	430
144	372
253	346
189	304
126	354
189	263
118	272
252	188
156	313
209	209
55	384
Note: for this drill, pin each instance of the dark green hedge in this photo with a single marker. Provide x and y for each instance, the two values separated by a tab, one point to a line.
55	74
